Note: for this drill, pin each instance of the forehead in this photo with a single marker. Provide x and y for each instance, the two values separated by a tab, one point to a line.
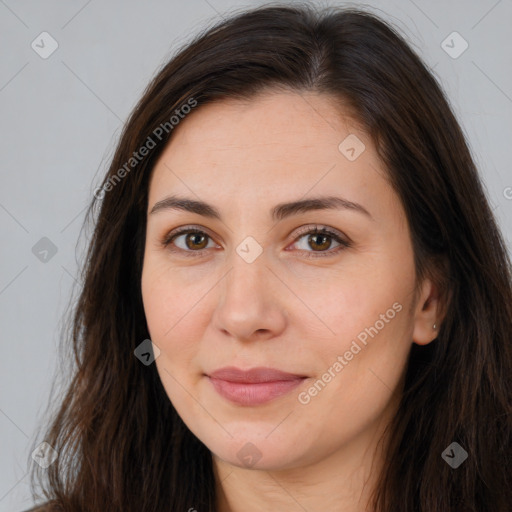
279	144
270	120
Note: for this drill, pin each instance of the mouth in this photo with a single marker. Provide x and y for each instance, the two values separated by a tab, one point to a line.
254	386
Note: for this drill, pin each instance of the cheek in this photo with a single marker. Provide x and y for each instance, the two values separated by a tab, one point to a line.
369	347
361	360
174	329
356	302
358	375
168	299
163	311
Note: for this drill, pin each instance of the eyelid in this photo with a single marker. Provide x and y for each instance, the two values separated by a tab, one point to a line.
320	229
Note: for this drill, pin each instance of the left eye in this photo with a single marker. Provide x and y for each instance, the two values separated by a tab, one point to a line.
322	238
196	240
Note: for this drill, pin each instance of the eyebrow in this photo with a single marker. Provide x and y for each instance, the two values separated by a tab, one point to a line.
279	212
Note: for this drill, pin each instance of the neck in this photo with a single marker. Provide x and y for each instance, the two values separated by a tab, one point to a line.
344	481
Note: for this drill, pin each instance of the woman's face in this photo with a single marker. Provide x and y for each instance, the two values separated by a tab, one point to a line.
254	289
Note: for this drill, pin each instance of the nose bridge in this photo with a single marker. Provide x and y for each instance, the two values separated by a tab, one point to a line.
247	276
247	259
246	304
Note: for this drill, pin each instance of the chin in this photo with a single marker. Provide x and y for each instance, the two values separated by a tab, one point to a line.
253	458
257	452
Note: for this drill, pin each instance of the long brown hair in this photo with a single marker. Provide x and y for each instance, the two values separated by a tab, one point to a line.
122	446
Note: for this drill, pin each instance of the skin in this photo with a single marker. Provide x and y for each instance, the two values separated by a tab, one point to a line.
283	310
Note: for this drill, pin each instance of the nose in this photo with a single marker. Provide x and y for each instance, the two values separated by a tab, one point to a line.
252	301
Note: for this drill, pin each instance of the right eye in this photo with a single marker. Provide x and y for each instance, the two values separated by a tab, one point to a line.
192	240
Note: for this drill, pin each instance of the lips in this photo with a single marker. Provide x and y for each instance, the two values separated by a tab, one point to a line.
255	386
253	376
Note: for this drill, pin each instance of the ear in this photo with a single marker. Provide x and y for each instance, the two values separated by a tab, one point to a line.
428	312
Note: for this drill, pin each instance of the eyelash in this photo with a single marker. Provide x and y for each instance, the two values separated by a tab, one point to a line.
344	244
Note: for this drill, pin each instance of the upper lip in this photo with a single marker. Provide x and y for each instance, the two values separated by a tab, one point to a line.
253	375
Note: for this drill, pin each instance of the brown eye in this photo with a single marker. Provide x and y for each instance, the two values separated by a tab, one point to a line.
195	240
319	241
188	241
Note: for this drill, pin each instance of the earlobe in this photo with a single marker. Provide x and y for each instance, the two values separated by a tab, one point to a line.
427	315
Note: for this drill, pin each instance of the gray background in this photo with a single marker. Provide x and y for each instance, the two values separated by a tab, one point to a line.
62	116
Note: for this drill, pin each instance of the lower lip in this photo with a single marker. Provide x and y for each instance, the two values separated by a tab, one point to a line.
253	394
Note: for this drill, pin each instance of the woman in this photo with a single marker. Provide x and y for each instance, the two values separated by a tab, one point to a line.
223	363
